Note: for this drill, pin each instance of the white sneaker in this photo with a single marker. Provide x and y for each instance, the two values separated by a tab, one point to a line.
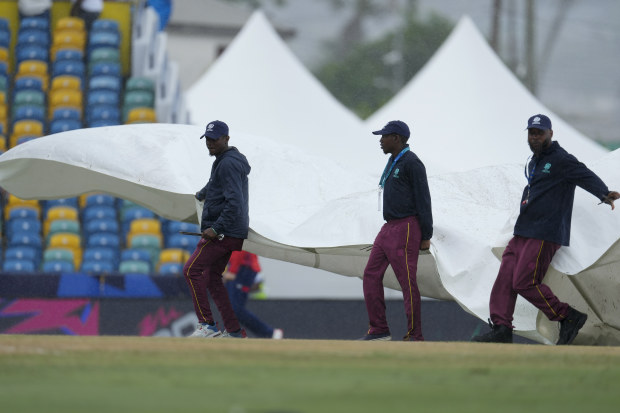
206	331
238	334
278	334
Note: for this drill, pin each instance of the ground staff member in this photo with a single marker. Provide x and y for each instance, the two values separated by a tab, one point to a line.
225	223
409	228
542	227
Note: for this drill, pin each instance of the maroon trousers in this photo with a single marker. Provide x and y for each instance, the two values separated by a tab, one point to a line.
398	245
524	265
203	272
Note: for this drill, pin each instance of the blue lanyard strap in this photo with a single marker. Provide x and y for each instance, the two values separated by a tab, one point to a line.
529	174
390	165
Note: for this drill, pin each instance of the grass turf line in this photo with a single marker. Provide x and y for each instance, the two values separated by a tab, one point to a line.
139	374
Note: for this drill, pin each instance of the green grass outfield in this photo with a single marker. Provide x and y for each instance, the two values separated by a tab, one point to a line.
135	374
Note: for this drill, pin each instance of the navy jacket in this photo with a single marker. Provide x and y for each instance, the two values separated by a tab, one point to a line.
546	213
226	208
406	193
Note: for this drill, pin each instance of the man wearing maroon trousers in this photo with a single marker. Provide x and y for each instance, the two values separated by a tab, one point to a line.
409	228
224	226
542	227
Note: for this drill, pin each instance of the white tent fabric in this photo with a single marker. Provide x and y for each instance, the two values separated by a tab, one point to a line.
468	110
326	216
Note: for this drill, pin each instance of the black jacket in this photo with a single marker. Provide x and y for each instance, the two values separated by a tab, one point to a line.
226	208
546	212
406	193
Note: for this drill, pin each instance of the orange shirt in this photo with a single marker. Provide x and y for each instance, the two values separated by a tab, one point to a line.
243	258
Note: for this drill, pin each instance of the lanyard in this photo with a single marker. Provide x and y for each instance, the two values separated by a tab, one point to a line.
388	168
529	175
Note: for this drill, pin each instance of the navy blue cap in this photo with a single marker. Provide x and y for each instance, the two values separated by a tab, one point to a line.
395	126
539	122
216	130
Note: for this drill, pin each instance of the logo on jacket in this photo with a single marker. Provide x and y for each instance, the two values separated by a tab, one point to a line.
547	168
396	172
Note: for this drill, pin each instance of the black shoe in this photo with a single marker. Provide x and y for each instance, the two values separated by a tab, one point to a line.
376	337
570	326
499	334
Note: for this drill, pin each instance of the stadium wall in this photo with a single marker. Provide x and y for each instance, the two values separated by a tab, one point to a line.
138	305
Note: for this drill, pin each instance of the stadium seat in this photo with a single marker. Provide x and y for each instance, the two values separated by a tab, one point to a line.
105	254
138	98
103	39
61	212
151	243
29	113
68	39
135	254
103	97
66	82
70	24
186	242
107	113
97	267
32	52
59	254
5	39
103	122
22	225
104	239
140	84
75	55
134	267
26	239
34	37
170	268
111	83
34	23
57	226
135	212
68	68
178	255
4	54
92	199
23	253
29	97
27	127
98	212
25	138
69	241
66	202
58	266
101	225
141	115
28	83
104	54
18	211
105	69
105	25
63	125
35	68
65	98
66	114
18	266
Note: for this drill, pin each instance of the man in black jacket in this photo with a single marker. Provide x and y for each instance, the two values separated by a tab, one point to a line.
409	228
224	226
542	227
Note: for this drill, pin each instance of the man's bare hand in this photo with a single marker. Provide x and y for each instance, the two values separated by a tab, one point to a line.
610	198
425	244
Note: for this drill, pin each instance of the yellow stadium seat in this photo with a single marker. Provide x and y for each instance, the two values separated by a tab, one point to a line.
173	255
34	68
4	54
69	241
66	82
27	127
65	98
3	98
141	115
67	39
69	23
3	147
144	226
15	202
3	110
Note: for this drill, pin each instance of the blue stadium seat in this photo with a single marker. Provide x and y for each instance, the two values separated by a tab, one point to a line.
5	39
28	83
173	227
103	97
103	254
29	113
136	212
58	266
63	125
71	202
111	83
23	212
98	212
185	242
23	225
171	268
18	266
101	225
104	25
26	239
103	39
97	267
104	239
75	55
100	199
69	67
103	112
101	123
135	254
34	23
105	69
66	114
22	253
32	52
33	37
